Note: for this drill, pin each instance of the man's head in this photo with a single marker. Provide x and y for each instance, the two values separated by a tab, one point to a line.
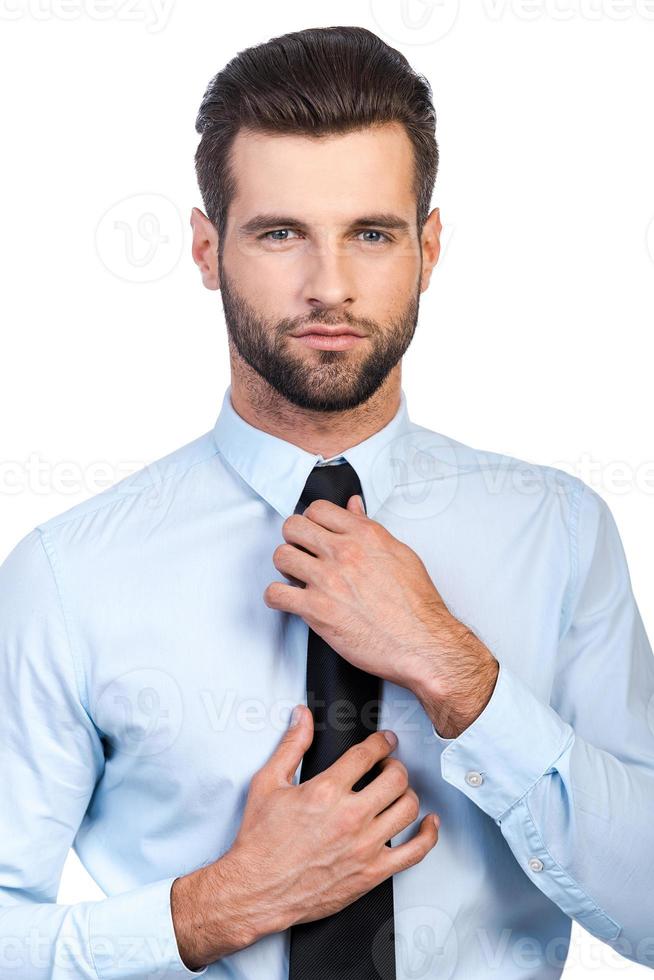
316	166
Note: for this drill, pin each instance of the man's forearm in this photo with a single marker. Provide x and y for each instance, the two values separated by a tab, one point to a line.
213	914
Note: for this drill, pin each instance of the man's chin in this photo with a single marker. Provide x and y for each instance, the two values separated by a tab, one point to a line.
319	397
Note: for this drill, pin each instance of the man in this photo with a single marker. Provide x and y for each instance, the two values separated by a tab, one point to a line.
318	548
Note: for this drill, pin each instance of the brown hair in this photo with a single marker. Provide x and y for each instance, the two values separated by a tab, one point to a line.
323	80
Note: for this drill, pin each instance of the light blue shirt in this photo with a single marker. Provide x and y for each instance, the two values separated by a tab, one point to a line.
145	681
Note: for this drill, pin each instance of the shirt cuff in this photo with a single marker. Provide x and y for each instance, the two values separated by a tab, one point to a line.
132	935
515	740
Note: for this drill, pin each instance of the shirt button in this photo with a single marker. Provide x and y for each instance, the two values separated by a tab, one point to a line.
536	864
474	778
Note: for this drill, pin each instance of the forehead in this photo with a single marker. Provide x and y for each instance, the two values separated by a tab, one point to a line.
365	170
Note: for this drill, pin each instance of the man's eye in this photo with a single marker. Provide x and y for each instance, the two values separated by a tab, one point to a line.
372	231
277	231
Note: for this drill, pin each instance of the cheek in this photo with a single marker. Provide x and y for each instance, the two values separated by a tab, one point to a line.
267	277
399	265
389	283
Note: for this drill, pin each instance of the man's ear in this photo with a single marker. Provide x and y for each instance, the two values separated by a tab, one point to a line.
431	246
205	248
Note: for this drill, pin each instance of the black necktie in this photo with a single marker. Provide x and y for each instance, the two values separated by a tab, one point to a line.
358	942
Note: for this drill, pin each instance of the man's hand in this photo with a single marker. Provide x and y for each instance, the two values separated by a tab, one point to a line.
303	851
370	597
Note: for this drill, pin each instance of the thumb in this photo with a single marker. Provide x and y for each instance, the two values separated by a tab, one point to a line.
355	504
296	740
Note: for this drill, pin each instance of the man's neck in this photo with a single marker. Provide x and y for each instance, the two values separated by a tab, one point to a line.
320	433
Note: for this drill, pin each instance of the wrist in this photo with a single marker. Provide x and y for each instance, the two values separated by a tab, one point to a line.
454	698
212	916
451	716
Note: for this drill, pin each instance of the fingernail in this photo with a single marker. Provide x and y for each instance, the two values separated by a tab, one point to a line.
390	737
295	716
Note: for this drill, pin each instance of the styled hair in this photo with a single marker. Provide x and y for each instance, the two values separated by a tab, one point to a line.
315	82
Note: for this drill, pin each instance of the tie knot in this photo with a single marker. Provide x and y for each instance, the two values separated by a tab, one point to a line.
336	482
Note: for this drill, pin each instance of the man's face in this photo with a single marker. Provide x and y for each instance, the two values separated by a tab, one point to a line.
306	244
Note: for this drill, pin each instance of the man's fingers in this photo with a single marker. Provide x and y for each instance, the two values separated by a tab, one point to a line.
392	782
404	856
294	743
358	759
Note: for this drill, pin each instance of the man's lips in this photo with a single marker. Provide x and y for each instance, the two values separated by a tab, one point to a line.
321	341
328	338
326	331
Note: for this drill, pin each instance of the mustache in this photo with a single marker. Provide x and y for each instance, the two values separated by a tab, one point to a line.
329	320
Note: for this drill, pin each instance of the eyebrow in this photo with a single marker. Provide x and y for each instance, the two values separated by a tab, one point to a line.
263	222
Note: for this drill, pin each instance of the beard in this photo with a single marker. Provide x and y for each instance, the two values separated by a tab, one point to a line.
326	380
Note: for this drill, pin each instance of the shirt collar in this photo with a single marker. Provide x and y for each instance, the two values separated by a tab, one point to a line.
278	470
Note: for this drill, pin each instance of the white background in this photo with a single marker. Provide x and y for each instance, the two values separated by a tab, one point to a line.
534	337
